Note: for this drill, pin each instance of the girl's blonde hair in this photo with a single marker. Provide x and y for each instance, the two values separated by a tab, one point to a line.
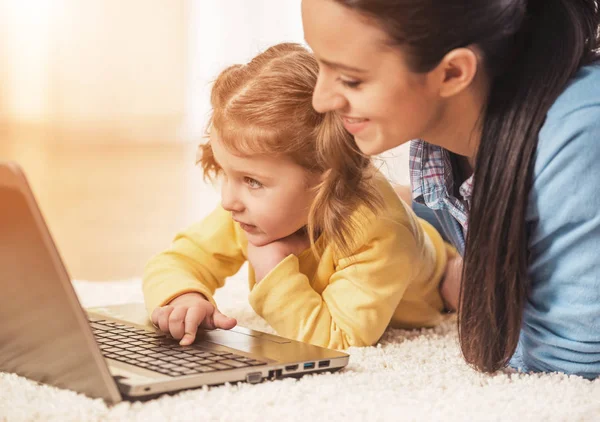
265	107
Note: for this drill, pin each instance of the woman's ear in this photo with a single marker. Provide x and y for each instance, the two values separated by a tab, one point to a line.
456	71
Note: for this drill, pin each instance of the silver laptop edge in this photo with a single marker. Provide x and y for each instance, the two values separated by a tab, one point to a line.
46	336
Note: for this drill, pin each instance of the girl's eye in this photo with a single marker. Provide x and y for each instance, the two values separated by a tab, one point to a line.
253	183
350	83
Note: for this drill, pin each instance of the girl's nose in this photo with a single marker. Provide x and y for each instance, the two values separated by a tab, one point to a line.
229	200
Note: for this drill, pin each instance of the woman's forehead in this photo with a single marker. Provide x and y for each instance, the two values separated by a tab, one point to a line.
352	41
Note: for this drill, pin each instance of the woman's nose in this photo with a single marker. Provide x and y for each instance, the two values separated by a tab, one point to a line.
325	97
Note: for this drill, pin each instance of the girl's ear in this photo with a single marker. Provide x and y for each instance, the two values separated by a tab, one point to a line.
314	179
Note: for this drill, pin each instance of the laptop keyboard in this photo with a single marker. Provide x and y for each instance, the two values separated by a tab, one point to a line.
157	352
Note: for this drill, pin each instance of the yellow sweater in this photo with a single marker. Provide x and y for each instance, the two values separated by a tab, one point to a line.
392	277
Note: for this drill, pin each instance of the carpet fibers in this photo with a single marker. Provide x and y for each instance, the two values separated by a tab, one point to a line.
409	375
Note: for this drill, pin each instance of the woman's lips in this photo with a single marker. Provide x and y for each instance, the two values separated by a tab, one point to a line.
354	124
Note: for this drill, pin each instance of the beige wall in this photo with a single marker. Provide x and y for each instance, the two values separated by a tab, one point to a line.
94	67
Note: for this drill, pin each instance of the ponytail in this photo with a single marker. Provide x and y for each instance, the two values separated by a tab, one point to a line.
346	185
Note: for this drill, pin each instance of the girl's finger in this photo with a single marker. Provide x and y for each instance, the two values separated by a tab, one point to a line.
163	318
194	316
223	322
176	319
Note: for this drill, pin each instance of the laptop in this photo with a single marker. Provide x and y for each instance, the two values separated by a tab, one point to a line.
114	352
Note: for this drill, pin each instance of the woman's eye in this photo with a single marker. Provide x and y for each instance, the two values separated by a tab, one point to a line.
253	183
350	83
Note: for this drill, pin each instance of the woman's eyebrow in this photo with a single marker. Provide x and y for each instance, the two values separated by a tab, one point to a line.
342	66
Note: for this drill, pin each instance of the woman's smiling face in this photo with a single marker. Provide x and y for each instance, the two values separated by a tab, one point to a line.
366	80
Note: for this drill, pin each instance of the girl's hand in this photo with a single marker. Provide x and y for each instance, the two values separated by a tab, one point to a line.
185	313
264	258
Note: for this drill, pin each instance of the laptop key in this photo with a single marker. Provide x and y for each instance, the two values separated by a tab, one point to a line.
220	366
155	335
136	356
181	355
173	374
235	363
201	353
161	356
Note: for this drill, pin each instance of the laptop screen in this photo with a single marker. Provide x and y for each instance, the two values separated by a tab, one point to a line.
41	335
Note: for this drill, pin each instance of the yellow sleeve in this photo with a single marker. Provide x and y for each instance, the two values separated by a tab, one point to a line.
360	299
199	260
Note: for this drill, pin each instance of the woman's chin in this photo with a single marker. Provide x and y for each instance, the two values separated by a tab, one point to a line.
377	144
369	146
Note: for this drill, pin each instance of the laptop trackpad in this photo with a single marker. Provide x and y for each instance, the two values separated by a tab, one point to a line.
241	339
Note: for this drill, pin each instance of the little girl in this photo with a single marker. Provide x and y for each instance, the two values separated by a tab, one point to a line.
335	257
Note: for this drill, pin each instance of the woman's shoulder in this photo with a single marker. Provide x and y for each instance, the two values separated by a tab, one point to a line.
570	135
581	92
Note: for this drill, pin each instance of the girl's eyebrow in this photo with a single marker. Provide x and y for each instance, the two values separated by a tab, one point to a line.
257	175
245	172
251	173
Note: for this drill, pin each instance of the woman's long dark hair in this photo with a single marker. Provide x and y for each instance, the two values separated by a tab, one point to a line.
531	49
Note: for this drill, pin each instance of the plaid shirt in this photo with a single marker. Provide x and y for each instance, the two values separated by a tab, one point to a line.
432	181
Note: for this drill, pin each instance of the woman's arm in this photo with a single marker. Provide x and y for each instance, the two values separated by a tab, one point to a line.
561	319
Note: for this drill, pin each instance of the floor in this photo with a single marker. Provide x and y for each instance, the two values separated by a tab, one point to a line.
110	206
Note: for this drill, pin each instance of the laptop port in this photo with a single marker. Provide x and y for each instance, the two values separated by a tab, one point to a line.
291	368
309	365
254	377
274	374
324	364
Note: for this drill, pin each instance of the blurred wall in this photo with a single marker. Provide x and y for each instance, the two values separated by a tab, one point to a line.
92	68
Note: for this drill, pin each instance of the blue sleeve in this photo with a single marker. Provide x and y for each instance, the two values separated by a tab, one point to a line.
427	214
561	320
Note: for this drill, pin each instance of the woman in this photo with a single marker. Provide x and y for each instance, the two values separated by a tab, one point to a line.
505	95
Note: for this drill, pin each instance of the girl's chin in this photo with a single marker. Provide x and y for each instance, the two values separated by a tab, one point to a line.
258	240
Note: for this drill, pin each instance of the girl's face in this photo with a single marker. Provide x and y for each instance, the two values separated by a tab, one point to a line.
367	82
268	196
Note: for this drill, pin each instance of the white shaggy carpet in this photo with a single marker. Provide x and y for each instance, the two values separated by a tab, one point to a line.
408	376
